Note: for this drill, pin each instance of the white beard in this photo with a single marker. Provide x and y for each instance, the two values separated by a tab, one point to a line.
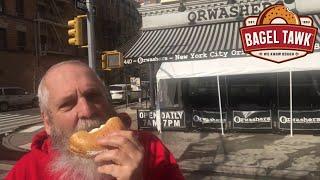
69	166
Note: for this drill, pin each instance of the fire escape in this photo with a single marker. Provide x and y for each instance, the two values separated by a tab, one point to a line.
51	27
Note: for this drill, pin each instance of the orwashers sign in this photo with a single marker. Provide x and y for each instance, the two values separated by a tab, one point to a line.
302	120
146	119
172	119
252	119
208	119
278	35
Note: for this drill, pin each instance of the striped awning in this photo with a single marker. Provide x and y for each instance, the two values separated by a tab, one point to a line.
164	44
197	42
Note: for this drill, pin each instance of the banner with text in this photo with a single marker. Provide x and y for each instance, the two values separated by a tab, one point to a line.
252	119
302	120
205	119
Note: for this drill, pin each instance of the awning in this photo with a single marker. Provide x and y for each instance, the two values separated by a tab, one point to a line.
125	47
164	44
236	66
197	42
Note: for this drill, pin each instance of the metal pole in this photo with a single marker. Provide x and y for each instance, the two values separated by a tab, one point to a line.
125	82
220	108
152	94
36	60
291	122
91	36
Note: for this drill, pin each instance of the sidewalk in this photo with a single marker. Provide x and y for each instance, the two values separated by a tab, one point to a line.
257	155
261	156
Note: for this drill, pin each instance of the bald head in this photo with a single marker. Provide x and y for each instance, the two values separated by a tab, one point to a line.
60	75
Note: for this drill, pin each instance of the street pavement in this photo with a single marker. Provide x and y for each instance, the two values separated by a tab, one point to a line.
209	155
12	120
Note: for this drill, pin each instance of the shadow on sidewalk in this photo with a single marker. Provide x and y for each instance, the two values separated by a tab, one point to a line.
7	154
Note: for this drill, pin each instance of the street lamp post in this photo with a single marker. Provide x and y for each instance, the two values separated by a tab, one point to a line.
91	36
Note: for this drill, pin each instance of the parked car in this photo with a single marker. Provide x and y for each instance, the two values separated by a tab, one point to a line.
16	96
120	91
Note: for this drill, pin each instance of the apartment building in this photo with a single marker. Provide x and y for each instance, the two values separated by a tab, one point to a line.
33	35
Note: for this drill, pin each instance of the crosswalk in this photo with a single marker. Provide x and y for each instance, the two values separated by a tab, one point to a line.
10	121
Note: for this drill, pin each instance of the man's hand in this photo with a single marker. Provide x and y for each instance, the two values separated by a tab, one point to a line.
126	156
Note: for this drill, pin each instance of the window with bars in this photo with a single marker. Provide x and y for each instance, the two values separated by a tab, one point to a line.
21	40
20	7
3	39
1	6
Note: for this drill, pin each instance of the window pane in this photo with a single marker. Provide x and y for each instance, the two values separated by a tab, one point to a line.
203	92
115	88
252	91
10	92
3	38
1	6
305	90
20	7
20	91
21	40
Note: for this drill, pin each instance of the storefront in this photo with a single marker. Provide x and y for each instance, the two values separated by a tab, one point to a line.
206	81
254	94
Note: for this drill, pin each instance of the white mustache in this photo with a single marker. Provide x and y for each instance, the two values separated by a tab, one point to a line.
88	124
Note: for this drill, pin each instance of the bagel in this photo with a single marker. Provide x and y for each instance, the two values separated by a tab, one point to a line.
84	144
277	11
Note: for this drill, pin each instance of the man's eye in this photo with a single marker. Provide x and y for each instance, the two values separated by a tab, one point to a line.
67	105
93	96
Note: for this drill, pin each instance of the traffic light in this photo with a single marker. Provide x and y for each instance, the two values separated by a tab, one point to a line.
111	60
78	31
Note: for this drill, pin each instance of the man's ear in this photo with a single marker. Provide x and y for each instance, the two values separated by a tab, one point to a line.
46	121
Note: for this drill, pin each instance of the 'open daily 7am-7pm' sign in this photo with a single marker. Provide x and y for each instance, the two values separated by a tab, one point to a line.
170	119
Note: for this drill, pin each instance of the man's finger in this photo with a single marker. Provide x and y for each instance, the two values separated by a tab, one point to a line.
115	155
129	145
110	169
122	144
130	135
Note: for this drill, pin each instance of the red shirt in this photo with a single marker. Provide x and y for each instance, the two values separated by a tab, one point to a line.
159	163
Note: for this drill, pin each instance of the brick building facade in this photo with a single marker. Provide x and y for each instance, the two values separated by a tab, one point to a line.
33	35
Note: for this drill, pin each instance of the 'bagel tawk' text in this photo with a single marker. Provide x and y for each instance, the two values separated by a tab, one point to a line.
278	34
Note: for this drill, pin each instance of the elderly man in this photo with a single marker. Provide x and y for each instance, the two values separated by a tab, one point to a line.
72	98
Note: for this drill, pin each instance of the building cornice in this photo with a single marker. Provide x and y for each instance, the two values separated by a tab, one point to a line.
159	9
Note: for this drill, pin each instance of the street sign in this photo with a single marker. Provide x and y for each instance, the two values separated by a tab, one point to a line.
135	83
81	5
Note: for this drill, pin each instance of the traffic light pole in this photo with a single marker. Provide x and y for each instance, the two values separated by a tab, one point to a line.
91	36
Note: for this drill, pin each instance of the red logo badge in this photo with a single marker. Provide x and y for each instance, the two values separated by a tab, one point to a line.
278	35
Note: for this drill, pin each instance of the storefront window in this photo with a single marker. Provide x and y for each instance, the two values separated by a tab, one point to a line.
252	92
202	93
170	93
305	90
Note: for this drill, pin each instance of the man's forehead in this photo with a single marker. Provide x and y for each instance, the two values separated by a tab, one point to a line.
69	77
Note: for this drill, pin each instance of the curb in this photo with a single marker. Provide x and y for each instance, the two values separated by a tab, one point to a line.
254	171
6	139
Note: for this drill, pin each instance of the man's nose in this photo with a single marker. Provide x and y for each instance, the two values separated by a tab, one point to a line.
85	108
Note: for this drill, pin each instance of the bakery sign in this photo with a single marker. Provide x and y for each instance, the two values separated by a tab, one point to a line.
252	119
301	120
226	12
206	119
278	35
